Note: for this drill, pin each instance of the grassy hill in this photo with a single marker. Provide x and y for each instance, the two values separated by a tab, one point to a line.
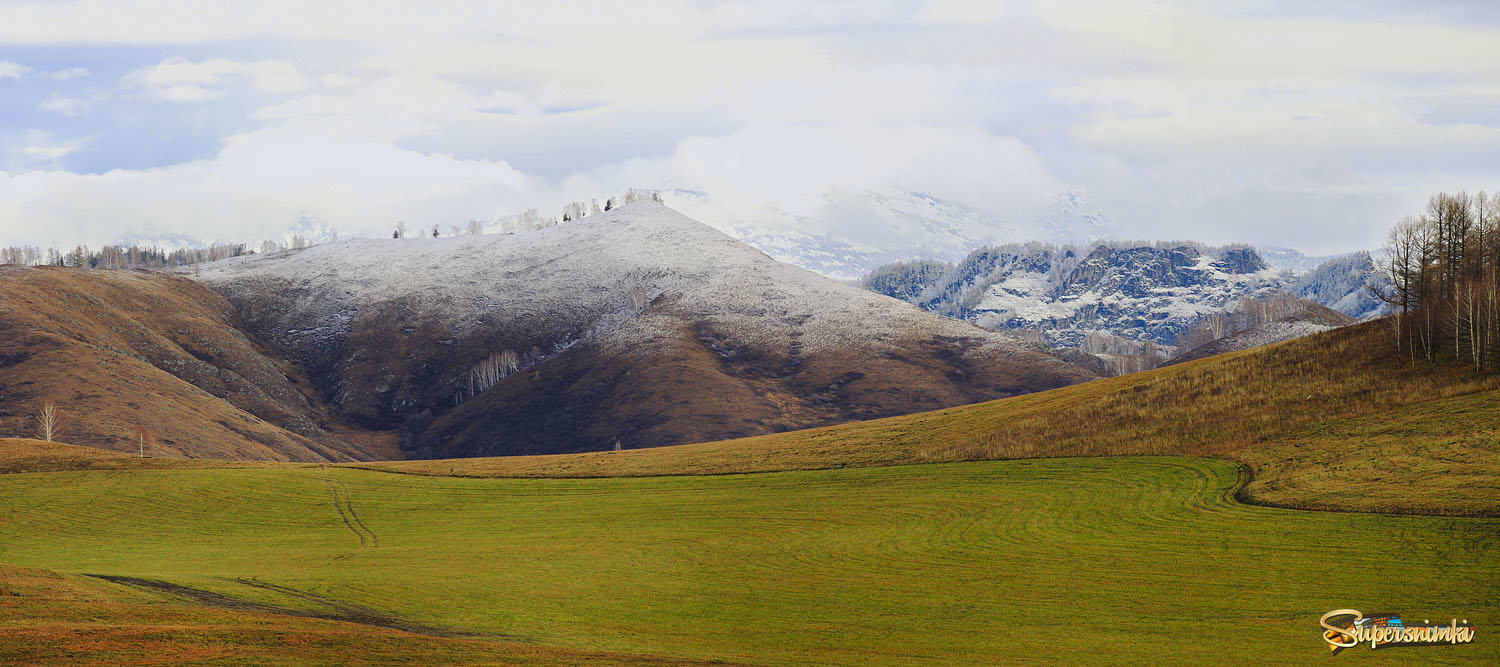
1118	560
118	350
1330	421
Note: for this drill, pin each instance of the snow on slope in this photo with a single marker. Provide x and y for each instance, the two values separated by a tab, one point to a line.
581	272
728	342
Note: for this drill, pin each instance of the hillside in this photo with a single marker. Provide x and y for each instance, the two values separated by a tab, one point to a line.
120	350
1332	421
1306	318
639	326
1341	284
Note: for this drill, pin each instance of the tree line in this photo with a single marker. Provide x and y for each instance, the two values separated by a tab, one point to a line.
1444	271
152	257
123	257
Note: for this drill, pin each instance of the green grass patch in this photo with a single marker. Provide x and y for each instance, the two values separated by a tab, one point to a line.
1112	560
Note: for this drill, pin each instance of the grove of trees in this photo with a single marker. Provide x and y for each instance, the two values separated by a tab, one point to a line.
1444	271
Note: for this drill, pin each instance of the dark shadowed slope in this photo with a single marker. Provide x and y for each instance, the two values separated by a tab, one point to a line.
638	326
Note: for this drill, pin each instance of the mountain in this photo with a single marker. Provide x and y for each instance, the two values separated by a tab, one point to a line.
1138	292
846	235
1342	283
633	328
121	350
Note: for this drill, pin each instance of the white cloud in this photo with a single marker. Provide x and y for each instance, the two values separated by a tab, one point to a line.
11	70
1215	121
181	80
36	151
65	106
258	185
69	73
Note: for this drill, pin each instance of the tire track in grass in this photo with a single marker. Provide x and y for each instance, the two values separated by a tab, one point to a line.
345	508
333	609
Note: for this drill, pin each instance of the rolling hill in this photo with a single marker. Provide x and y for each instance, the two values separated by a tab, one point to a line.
117	351
638	327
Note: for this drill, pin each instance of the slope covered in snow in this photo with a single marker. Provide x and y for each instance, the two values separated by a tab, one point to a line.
1344	283
639	326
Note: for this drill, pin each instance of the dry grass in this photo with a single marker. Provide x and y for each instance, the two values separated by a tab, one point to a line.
118	350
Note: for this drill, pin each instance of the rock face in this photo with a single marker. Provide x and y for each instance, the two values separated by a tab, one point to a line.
1137	292
637	327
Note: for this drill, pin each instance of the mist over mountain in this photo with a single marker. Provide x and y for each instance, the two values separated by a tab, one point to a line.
846	235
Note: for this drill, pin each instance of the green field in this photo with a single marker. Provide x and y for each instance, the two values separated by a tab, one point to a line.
1124	559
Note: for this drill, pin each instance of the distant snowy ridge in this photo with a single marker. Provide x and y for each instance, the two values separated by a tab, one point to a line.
1136	291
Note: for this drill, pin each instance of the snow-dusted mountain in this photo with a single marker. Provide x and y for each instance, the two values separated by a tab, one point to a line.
1139	293
847	235
639	325
1343	283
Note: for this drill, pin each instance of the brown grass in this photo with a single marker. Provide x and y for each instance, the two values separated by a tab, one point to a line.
52	618
119	350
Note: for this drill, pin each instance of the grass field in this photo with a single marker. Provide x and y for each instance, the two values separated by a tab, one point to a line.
1114	560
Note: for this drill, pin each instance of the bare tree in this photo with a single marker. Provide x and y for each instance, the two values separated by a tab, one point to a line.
638	297
400	230
475	228
142	436
48	421
491	370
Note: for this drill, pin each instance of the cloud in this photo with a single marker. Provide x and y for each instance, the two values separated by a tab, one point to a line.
181	80
256	187
1221	121
64	106
36	151
14	70
11	70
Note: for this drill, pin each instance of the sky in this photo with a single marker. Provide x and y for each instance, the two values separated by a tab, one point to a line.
1301	124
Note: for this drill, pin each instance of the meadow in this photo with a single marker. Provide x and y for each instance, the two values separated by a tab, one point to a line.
1107	560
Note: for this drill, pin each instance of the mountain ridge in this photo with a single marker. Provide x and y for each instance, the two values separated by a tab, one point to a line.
612	329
